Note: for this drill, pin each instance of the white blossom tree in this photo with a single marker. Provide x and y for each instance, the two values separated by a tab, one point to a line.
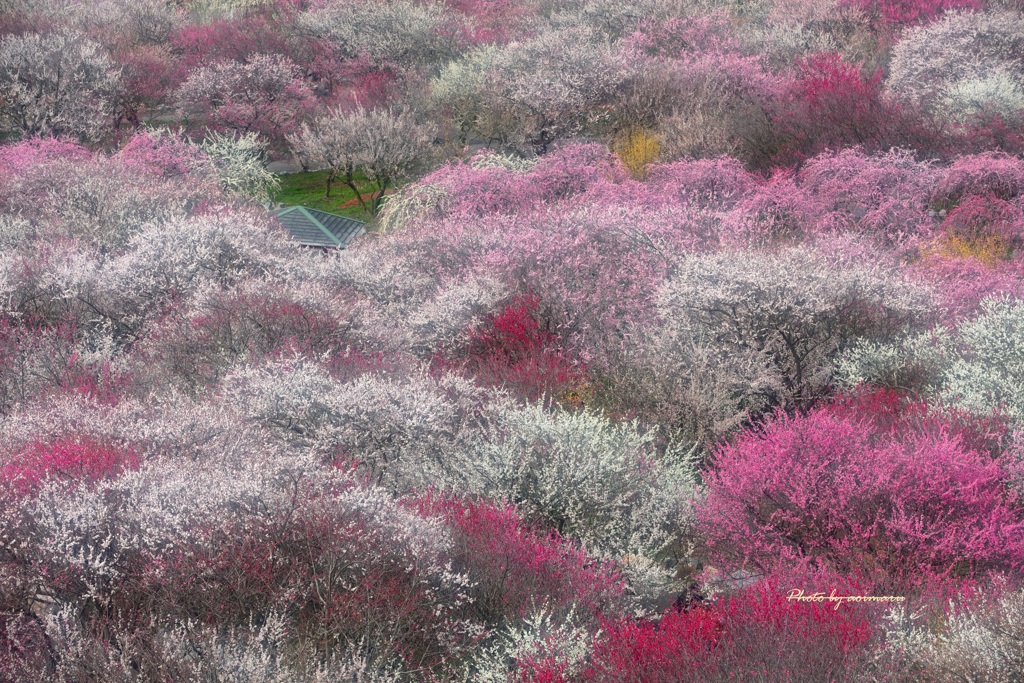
980	638
744	331
531	92
56	84
398	33
238	161
977	367
964	64
382	143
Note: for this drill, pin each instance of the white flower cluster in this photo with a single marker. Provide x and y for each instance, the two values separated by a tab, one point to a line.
963	64
754	329
972	643
541	637
61	83
978	367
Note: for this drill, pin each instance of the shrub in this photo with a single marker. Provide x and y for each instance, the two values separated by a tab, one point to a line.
678	648
718	182
409	432
516	569
594	481
977	639
542	647
237	161
596	271
349	567
492	183
722	105
396	33
167	262
884	195
602	484
832	105
38	362
989	375
912	364
975	368
265	95
164	153
530	93
984	228
234	161
963	283
779	212
266	647
341	565
197	344
991	174
19	158
636	150
99	202
509	349
233	39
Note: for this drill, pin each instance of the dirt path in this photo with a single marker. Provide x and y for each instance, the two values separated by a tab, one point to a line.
367	196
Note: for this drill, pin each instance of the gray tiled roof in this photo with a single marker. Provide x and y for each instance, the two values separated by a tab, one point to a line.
314	228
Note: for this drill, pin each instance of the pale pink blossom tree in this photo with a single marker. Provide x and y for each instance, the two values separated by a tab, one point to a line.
265	94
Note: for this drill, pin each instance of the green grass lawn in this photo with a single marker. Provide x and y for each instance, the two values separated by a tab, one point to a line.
307	189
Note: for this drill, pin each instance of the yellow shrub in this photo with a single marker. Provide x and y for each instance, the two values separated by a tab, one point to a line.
637	150
577	397
989	249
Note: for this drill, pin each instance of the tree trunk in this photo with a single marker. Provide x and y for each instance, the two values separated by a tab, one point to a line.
382	186
350	181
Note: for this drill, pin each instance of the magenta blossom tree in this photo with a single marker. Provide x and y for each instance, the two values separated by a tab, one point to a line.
840	490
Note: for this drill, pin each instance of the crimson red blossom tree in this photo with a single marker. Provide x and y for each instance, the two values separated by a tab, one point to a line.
756	631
